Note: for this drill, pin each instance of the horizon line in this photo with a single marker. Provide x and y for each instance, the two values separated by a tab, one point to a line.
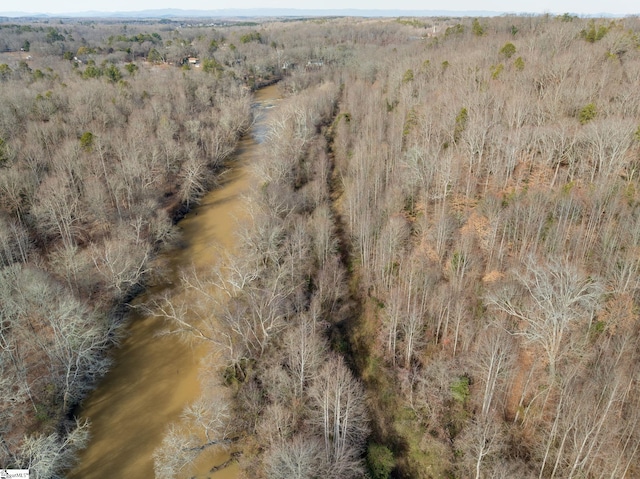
260	11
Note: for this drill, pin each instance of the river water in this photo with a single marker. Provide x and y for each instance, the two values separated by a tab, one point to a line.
155	377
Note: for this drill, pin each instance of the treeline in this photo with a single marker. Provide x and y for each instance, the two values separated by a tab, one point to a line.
255	53
92	173
490	193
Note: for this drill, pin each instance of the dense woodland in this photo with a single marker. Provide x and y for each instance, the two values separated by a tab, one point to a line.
440	276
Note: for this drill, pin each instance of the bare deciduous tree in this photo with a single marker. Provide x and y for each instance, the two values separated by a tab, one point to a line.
557	297
341	417
204	424
49	455
298	458
481	439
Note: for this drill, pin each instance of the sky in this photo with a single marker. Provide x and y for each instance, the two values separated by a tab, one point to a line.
586	7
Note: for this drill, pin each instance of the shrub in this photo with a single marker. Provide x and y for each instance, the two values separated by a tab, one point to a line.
592	33
408	76
210	65
86	140
380	461
5	71
251	37
508	50
132	68
588	113
457	29
477	29
460	389
461	123
566	17
496	70
113	73
154	56
4	156
91	71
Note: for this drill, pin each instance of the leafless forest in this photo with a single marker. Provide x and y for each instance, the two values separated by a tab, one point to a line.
440	278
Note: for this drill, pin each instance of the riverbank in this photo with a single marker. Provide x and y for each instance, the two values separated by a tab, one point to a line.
156	377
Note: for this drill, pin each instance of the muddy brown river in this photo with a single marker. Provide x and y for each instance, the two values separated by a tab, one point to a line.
155	377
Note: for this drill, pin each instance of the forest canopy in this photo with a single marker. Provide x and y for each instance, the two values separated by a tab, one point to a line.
441	277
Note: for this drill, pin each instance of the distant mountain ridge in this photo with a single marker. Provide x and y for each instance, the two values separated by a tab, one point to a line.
267	12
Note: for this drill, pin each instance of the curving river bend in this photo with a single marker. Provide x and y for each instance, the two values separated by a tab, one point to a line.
155	377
